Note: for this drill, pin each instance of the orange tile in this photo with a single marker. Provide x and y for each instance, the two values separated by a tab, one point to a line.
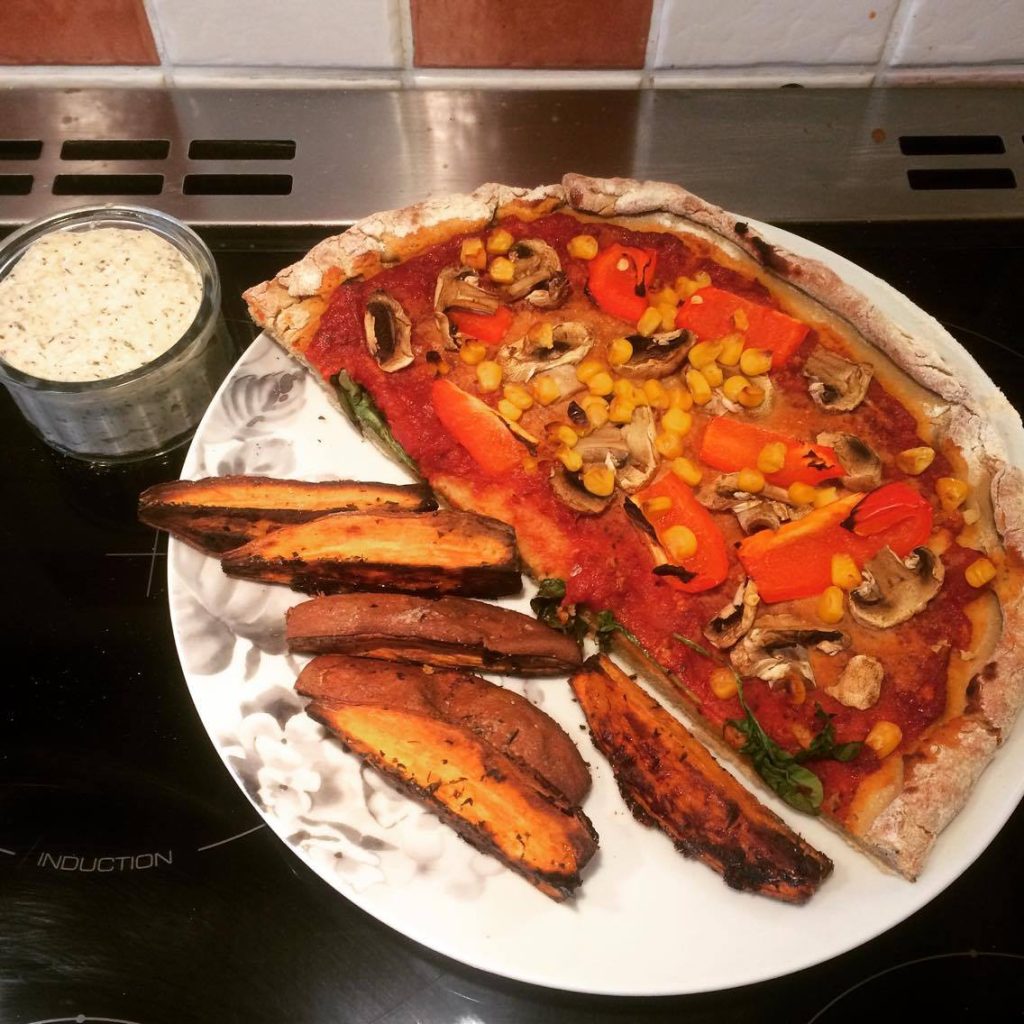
530	33
75	32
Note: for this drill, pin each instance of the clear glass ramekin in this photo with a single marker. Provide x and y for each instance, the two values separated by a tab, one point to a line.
145	411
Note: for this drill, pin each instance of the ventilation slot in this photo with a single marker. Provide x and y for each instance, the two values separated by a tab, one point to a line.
20	149
242	149
950	145
237	185
108	184
15	184
938	179
115	149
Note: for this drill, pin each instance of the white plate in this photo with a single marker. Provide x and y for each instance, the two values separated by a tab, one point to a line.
646	921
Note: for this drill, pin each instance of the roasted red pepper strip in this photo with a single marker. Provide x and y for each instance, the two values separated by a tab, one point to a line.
710	314
732	445
796	559
710	562
490	328
477	427
619	278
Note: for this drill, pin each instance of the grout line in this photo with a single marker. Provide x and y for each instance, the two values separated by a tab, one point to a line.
658	17
899	23
158	38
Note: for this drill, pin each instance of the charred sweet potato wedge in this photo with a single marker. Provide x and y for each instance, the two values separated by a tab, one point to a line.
669	780
419	553
500	717
450	632
392	718
216	514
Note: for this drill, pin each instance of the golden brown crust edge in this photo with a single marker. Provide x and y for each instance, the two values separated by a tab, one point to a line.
939	778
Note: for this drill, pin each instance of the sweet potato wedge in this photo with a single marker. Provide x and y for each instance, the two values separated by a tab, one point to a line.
668	779
419	553
216	514
493	800
450	632
500	717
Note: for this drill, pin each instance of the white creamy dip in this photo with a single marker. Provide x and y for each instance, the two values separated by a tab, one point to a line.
88	305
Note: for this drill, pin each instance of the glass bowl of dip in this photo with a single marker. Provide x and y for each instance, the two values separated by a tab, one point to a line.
112	342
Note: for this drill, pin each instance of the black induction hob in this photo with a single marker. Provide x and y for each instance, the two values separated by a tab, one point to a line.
138	884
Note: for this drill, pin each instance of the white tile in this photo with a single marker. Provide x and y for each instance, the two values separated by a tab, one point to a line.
961	32
487	78
699	34
772	77
289	33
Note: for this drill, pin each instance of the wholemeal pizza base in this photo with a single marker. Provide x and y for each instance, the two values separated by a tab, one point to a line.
900	809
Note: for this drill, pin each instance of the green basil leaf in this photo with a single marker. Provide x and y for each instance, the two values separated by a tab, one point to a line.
606	625
363	414
692	644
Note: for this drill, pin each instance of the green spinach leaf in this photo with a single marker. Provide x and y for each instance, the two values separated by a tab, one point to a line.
363	414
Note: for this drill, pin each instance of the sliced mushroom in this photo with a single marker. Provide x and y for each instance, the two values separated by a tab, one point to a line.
766	510
777	648
860	684
862	466
565	377
719	404
459	288
731	624
604	445
568	487
571	341
388	332
639	436
837	384
895	590
657	356
538	276
761	514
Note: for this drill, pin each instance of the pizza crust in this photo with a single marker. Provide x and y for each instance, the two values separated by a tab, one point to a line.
936	779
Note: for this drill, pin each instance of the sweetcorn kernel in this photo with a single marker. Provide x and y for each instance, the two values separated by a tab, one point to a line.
546	389
755	361
567	435
687	471
700	390
824	496
704	353
734	385
508	410
830	605
655	505
665	297
913	461
582	247
713	375
620	351
541	335
750	480
499	241
597	411
677	421
845	573
751	397
680	398
473	352
621	410
723	683
884	738
572	461
589	368
649	322
623	388
639	396
772	457
488	375
680	542
732	349
518	396
599	480
655	393
739	318
502	270
668	444
980	572
668	316
801	493
952	492
684	287
601	383
473	254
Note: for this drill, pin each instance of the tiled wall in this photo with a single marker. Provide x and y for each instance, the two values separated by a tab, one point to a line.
501	43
